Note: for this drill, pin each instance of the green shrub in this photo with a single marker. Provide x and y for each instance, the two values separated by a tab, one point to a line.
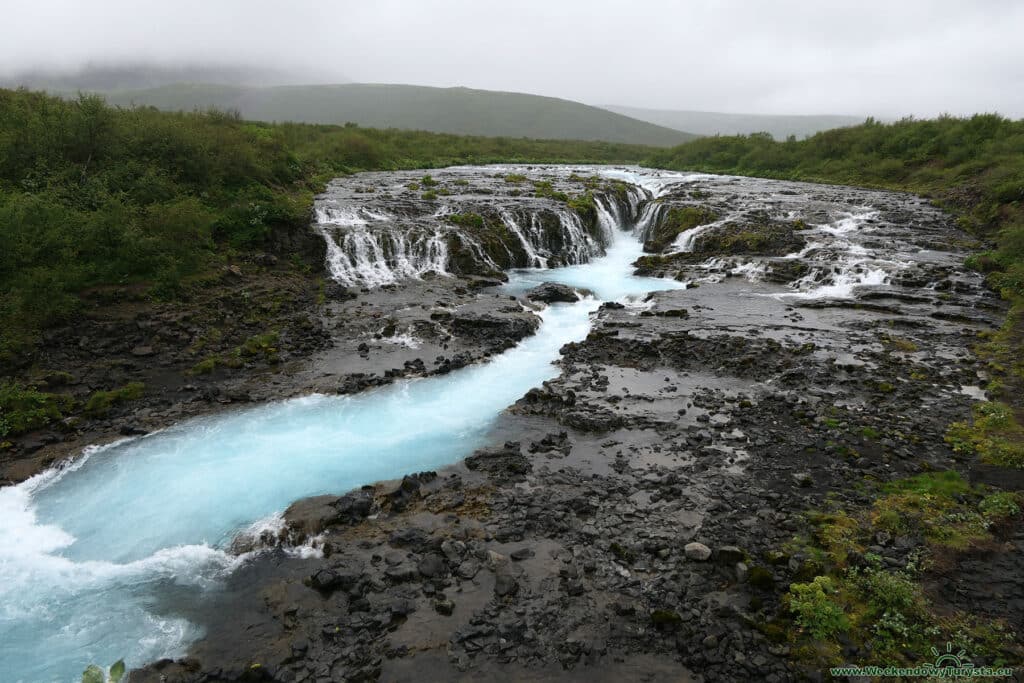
23	409
1000	505
816	609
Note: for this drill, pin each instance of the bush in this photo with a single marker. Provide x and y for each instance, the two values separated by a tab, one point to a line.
24	409
815	608
1000	505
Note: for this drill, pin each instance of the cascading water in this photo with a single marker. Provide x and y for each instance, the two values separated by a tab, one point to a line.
367	248
87	552
534	260
844	264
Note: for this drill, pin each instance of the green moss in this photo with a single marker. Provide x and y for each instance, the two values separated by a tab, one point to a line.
204	367
101	402
870	433
622	553
261	345
23	409
428	181
469	220
429	195
675	221
544	188
994	435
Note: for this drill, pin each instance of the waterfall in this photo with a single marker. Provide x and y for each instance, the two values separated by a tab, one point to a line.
605	220
361	257
845	264
648	218
580	245
533	259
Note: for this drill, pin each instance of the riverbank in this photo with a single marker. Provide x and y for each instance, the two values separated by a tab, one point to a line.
696	456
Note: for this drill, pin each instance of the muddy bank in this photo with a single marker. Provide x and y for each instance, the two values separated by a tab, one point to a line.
633	516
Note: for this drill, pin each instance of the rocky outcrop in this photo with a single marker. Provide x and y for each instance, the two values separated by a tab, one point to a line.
553	292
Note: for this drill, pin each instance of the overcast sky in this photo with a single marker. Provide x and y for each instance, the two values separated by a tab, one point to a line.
886	58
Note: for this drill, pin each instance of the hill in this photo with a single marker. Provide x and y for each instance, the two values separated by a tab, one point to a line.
720	123
462	111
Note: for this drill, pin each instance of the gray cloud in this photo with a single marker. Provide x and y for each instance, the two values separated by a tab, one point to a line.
885	58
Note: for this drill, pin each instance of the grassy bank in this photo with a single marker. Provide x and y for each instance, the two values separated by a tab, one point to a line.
93	196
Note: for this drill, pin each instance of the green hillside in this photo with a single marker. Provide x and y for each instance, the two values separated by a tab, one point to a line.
461	111
719	123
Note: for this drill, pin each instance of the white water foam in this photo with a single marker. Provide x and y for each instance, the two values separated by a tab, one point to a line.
359	257
844	263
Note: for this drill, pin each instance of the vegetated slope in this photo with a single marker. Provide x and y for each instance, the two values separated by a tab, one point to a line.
461	111
720	123
114	202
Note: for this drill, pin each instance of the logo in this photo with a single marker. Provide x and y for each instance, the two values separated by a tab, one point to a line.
947	664
948	659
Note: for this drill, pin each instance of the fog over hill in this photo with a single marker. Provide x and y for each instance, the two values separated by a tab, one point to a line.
780	126
107	76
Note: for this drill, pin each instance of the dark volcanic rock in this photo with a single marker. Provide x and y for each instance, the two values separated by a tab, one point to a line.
499	333
551	292
506	462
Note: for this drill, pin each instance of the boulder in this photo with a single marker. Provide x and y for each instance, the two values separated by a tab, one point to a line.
553	292
697	551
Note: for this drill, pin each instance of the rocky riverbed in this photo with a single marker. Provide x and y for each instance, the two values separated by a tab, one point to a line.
631	518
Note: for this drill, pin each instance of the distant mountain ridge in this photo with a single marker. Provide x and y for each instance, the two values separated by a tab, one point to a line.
463	111
706	123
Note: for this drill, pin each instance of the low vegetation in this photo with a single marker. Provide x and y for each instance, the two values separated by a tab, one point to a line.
850	594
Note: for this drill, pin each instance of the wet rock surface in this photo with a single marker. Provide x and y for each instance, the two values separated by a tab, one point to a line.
631	517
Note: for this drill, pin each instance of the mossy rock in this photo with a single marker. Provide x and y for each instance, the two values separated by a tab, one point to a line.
759	238
761	578
666	619
676	220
